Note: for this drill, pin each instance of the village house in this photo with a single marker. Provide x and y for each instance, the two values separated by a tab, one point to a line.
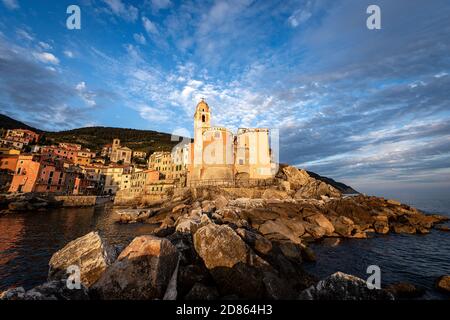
161	161
139	154
34	174
22	135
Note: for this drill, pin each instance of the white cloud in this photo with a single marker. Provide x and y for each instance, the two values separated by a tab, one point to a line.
88	97
149	26
160	4
46	57
45	45
68	54
299	17
24	35
129	13
153	114
11	4
139	38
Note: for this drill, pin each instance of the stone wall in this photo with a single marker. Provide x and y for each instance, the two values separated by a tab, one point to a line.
77	201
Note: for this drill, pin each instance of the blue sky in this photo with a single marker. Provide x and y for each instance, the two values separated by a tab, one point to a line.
370	108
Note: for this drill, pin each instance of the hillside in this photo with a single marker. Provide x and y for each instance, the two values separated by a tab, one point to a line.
95	138
345	189
10	123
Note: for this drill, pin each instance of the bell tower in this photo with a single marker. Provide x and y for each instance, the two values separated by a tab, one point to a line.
202	121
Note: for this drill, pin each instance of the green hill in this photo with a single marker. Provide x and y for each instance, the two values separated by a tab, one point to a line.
10	123
95	138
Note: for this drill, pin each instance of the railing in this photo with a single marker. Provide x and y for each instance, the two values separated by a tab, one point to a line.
245	183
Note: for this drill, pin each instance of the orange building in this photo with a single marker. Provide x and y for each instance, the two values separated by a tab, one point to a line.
26	173
8	162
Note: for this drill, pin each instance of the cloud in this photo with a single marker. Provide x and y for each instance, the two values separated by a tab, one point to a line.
87	96
11	4
301	15
160	4
33	92
23	34
118	8
68	54
45	45
139	38
46	57
149	26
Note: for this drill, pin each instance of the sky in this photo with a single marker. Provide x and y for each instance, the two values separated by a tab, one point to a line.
370	108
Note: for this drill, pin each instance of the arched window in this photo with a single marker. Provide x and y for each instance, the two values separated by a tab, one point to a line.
203	118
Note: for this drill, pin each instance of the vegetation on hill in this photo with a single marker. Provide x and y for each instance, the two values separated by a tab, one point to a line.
10	123
95	138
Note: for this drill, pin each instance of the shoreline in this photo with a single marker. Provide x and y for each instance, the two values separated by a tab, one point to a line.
260	242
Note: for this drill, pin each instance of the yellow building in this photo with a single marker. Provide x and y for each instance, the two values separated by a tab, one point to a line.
162	161
218	154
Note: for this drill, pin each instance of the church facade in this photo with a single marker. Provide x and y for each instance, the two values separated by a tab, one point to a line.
219	154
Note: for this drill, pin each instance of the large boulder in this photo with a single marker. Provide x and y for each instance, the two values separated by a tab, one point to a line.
290	229
341	286
233	265
296	177
142	271
320	220
343	226
89	252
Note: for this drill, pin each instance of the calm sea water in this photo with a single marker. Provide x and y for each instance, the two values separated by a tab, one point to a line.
28	240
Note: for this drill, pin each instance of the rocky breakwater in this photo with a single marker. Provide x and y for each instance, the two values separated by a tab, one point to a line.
212	243
27	202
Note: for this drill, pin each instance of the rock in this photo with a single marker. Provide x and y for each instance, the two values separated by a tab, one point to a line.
443	228
331	242
220	202
90	253
232	264
220	246
315	231
320	220
394	202
13	294
443	284
381	227
274	194
132	215
291	250
202	292
341	286
297	178
279	226
18	206
343	226
308	254
404	290
402	228
255	241
179	208
141	272
191	225
52	290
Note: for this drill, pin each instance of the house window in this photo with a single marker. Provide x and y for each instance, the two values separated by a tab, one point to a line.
241	161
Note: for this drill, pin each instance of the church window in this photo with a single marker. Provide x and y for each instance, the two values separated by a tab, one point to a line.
203	118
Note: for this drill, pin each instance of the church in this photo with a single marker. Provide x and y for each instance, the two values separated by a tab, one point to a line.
219	154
